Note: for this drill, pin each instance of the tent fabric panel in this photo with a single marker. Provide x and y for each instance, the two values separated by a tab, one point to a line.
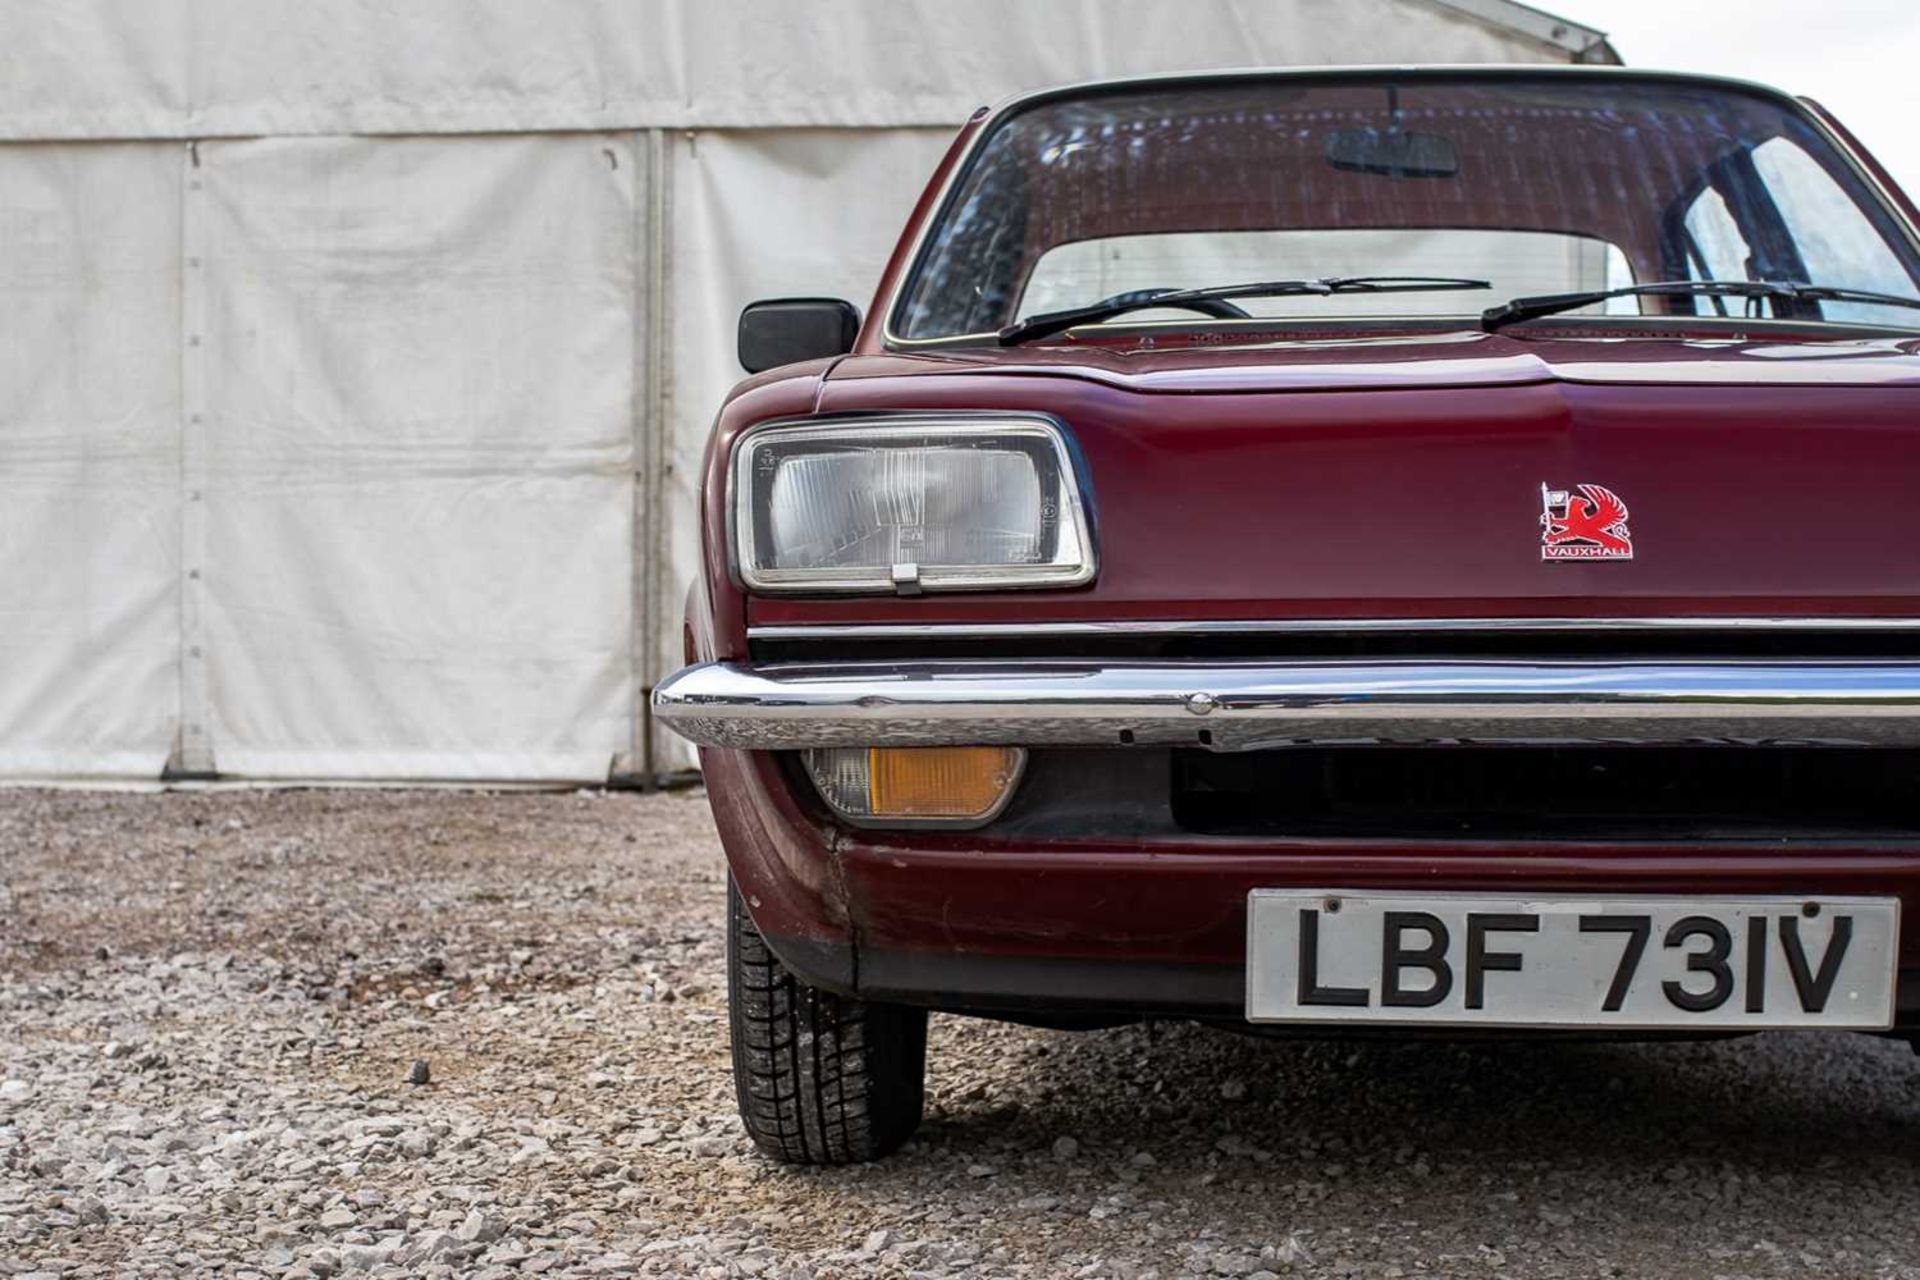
89	446
748	221
419	456
230	68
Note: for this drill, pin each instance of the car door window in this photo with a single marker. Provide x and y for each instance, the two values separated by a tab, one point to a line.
1716	249
1838	243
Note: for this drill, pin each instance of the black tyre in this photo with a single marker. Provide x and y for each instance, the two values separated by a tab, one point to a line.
821	1078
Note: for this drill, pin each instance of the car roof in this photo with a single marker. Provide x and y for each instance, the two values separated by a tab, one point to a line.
1365	71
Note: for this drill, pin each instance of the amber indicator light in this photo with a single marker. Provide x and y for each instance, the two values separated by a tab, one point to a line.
938	782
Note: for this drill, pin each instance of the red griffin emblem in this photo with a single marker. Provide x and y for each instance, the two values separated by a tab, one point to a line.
1586	523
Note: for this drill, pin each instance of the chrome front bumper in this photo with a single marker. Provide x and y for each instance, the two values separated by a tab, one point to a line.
1245	706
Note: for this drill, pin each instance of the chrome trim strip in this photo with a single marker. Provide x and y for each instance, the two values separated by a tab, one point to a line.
1243	706
857	631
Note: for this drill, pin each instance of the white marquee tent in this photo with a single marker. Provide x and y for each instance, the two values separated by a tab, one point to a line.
356	355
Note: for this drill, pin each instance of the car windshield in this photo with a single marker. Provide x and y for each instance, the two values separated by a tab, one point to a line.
1537	184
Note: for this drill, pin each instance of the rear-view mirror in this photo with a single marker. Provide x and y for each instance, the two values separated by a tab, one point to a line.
788	330
1392	153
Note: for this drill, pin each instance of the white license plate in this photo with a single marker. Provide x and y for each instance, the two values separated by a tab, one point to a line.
1523	961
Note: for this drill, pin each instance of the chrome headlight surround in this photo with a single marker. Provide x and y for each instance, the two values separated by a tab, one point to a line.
1016	446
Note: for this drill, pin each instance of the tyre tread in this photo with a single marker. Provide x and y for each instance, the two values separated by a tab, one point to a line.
820	1078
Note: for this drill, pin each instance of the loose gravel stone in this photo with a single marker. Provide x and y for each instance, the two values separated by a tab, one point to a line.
211	1005
478	1228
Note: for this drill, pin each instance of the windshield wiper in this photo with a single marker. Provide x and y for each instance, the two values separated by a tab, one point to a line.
1218	300
1754	291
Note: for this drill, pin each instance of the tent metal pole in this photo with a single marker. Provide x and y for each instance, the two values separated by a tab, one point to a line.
652	422
193	754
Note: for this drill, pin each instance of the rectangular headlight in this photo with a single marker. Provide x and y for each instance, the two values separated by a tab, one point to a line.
909	503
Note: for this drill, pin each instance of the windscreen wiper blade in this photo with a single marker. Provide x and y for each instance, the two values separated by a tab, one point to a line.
1052	322
1753	291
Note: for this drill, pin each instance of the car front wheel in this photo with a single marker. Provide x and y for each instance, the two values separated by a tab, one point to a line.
821	1078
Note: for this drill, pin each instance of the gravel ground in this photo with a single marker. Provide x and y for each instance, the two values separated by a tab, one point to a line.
214	1009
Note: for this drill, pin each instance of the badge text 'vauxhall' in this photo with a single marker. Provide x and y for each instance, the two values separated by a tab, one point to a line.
1586	522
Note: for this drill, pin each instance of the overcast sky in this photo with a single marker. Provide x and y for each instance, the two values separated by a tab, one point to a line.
1858	58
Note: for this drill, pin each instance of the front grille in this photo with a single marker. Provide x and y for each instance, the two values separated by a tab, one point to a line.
1585	793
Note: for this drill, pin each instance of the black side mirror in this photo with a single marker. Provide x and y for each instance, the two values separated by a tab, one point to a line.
788	330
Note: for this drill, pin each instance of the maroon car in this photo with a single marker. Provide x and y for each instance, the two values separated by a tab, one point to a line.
1324	552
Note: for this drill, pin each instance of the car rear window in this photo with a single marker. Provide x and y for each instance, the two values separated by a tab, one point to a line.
1513	262
1536	183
